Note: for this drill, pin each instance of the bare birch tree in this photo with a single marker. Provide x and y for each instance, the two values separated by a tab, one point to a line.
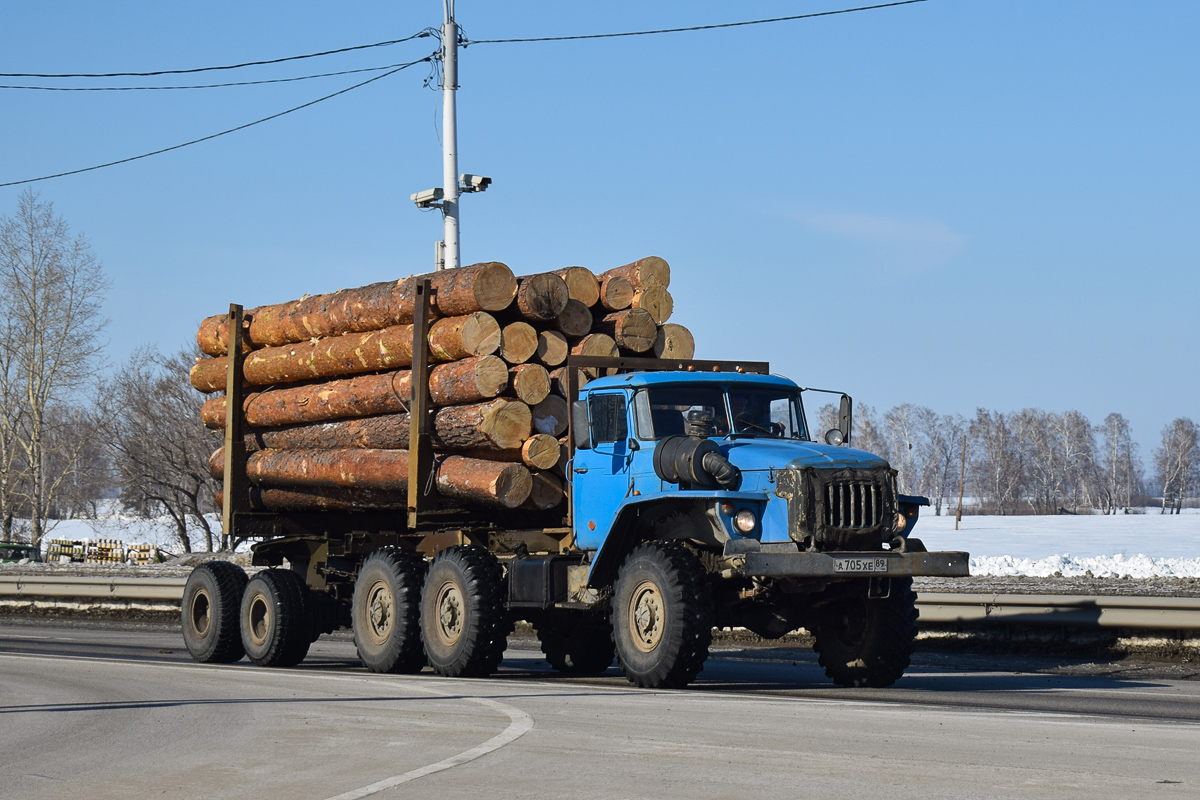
1121	469
52	286
1177	462
998	465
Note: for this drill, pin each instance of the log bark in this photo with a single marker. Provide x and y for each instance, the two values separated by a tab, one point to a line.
643	273
485	482
450	339
575	320
467	381
455	338
546	491
616	293
581	284
550	416
518	342
552	348
539	451
362	479
499	424
632	330
657	300
541	297
481	287
530	383
674	341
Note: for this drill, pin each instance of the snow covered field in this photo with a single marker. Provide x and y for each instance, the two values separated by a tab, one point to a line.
1139	545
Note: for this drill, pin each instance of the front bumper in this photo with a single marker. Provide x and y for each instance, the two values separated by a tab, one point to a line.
784	560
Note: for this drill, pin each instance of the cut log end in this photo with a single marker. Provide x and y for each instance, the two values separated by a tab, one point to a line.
581	284
552	348
575	319
616	293
674	341
541	297
530	383
657	301
518	342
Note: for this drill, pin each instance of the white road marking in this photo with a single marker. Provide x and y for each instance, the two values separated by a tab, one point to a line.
519	722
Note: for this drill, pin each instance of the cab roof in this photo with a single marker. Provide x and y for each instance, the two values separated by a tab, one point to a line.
681	378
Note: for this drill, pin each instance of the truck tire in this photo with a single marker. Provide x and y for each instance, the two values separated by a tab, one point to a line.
209	612
275	623
662	616
862	641
583	648
386	611
464	622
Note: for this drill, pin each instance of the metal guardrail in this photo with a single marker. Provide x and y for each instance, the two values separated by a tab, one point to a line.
98	588
1106	611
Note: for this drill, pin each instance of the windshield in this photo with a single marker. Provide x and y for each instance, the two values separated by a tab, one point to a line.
741	411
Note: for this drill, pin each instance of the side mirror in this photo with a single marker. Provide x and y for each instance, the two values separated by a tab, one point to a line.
581	430
845	418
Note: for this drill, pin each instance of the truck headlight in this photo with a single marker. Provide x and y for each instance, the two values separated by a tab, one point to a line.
901	522
745	521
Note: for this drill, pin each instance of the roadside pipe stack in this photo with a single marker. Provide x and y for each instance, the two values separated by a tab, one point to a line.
328	382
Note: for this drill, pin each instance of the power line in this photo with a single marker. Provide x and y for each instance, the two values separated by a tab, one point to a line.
695	27
222	133
418	35
198	86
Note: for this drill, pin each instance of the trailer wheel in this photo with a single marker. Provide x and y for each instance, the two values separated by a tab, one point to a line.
464	623
862	641
275	621
582	648
386	611
209	612
662	616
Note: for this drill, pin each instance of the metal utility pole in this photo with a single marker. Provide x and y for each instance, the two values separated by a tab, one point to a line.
450	136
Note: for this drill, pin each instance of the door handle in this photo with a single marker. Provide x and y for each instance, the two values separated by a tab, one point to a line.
580	470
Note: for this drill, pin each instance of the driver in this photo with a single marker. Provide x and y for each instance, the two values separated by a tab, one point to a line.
752	414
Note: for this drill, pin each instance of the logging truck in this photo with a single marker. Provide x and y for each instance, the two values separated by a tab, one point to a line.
697	496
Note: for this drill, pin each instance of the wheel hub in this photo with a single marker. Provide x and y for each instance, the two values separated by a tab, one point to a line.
451	613
259	620
381	611
201	613
646	618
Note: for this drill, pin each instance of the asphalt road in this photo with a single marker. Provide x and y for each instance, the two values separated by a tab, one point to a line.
100	711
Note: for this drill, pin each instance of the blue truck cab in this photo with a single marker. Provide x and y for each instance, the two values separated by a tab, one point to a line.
701	491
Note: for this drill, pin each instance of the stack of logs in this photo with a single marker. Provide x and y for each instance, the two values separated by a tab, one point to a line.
328	382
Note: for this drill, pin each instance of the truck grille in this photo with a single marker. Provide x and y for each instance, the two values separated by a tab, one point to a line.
852	505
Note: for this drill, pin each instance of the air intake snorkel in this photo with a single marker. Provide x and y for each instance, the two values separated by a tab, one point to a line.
694	459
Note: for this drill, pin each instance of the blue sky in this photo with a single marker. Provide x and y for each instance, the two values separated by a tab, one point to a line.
956	203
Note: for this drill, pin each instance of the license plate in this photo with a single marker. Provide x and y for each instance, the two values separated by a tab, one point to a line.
860	565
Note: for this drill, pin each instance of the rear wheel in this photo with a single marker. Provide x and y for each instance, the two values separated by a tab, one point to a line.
386	611
580	646
662	616
464	624
209	612
275	621
865	641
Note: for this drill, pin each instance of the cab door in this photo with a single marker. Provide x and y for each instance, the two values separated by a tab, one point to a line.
600	476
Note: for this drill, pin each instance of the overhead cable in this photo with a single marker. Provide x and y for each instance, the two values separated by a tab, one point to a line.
417	35
200	85
693	27
221	133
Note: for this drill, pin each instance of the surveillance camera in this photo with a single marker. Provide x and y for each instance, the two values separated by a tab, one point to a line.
474	183
428	198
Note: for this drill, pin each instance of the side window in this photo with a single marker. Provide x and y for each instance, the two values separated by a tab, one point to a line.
608	418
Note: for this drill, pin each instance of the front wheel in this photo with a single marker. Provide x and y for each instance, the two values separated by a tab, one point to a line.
867	641
662	616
